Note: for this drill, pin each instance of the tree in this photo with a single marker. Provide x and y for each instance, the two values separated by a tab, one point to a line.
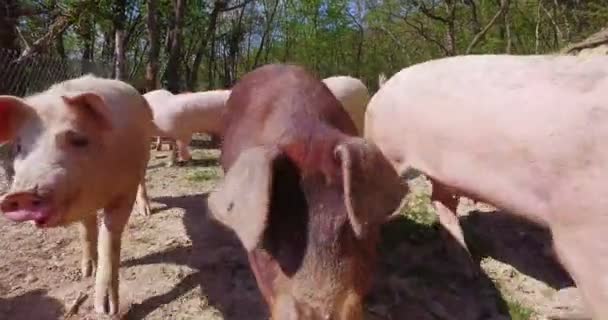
175	43
154	38
119	10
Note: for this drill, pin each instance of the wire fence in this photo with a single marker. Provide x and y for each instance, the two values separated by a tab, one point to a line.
38	72
34	74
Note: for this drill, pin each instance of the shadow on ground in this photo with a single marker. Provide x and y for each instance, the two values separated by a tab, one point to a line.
222	271
421	275
517	242
31	305
417	274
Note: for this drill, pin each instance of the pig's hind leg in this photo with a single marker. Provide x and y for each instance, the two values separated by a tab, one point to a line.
446	203
113	224
142	201
583	250
184	150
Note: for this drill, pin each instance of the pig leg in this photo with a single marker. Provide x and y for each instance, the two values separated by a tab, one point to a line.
106	283
184	150
159	143
88	240
172	154
143	202
446	203
583	252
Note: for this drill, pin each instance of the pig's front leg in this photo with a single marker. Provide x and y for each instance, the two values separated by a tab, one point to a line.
183	147
106	283
173	154
143	202
446	203
88	241
159	143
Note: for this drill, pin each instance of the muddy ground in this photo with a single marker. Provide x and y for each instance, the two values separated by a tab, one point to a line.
178	264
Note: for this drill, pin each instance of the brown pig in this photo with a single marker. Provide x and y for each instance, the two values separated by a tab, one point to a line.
304	195
80	146
526	134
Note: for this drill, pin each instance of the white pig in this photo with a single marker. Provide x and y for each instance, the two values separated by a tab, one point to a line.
80	146
353	95
183	114
158	98
526	134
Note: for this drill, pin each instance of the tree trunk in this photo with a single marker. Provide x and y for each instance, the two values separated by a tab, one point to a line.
9	38
107	50
60	47
87	33
450	42
266	33
154	37
175	42
198	58
119	39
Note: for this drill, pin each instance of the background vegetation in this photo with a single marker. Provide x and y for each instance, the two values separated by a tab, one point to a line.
204	44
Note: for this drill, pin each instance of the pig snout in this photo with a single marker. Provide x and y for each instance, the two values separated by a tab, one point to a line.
24	206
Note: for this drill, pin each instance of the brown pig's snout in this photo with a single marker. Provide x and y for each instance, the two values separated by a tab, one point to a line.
28	201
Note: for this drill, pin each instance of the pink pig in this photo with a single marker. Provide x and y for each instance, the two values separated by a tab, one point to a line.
526	134
81	145
179	116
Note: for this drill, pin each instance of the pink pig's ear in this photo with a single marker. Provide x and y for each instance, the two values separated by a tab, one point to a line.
91	104
13	111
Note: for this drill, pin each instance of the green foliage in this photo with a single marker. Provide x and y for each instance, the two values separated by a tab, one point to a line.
355	37
203	174
519	312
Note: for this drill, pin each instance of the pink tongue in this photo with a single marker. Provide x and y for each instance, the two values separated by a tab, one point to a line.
39	215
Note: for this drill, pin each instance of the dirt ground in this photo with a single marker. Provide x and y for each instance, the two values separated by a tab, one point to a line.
178	264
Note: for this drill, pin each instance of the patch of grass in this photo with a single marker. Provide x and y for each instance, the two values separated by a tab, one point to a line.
416	223
418	208
519	312
203	174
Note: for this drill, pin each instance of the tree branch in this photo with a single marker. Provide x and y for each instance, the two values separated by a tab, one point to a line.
594	40
428	12
504	5
420	29
236	6
60	24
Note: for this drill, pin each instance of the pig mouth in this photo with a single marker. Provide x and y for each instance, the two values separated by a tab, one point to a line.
38	208
42	217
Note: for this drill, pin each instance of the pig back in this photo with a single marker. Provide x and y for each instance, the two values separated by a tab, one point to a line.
280	105
199	111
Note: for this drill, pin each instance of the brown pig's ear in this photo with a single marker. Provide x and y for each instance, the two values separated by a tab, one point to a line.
242	200
13	111
372	188
93	105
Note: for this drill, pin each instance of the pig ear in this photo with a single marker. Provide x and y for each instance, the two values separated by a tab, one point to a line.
93	105
242	200
13	111
372	188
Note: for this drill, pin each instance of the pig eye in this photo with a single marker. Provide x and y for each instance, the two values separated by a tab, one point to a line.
77	140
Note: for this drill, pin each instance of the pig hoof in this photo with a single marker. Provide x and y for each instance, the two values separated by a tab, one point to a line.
145	211
105	305
88	268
